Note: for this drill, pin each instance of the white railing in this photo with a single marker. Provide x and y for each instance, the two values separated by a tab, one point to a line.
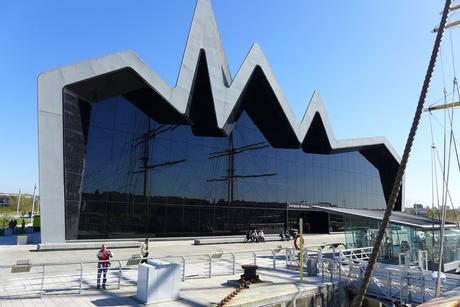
393	283
75	277
340	267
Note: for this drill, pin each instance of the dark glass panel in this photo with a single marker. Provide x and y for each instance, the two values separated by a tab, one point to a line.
138	177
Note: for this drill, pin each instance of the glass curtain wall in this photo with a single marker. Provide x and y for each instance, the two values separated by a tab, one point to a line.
142	178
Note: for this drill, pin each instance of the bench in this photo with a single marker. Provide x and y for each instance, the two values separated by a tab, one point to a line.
230	240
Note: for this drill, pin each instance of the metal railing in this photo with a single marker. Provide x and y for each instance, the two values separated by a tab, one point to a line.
40	279
344	266
392	283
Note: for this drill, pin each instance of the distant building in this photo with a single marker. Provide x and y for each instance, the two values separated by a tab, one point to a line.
4	201
418	209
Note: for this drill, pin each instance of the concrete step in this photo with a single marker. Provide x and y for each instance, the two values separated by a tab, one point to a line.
87	245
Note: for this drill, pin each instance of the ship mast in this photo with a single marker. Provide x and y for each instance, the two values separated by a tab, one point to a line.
402	167
230	153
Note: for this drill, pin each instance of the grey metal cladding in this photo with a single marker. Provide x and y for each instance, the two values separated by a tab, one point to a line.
204	76
226	92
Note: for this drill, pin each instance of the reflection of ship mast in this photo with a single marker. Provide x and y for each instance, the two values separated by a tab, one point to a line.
231	176
144	140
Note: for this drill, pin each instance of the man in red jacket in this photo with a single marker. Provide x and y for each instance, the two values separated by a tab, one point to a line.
103	255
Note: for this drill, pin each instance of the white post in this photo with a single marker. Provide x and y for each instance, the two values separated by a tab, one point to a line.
33	205
119	274
287	258
19	202
81	277
321	263
183	268
210	266
43	280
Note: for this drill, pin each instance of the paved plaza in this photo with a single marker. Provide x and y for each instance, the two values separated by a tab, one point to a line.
62	282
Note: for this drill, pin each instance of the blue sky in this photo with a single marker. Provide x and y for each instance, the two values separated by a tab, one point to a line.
367	58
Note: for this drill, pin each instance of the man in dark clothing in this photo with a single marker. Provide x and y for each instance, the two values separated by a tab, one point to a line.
103	255
23	225
15	223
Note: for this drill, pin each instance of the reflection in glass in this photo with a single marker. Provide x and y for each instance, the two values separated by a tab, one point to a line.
144	178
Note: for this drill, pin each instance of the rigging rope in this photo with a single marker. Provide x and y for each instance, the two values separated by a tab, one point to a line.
435	154
433	147
397	184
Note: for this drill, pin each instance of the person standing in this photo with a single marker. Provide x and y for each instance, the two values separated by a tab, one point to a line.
23	226
145	250
103	255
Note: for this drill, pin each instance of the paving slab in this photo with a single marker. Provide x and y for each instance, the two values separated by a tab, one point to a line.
62	282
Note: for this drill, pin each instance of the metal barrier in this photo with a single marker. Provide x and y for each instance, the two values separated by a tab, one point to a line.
345	266
76	277
391	283
55	278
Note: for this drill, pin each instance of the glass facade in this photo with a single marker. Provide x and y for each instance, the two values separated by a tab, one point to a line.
361	232
127	175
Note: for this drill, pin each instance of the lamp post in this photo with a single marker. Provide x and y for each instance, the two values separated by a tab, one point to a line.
33	205
19	202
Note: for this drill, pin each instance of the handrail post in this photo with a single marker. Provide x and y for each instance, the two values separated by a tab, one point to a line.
233	264
331	268
339	266
255	258
320	257
350	269
389	283
287	257
183	267
81	277
423	287
119	275
43	280
210	266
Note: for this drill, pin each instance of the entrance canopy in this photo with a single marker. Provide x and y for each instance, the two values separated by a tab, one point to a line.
398	218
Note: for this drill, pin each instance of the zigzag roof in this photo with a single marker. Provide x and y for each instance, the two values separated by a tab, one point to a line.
227	94
205	96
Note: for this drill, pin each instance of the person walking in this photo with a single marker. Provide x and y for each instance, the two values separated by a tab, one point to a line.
145	250
23	226
103	255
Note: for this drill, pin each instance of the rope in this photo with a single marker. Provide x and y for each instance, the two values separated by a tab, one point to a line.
397	184
433	154
436	154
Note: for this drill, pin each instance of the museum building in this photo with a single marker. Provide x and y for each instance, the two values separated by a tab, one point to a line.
124	155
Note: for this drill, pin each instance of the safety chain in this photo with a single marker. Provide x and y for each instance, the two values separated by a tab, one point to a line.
243	285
